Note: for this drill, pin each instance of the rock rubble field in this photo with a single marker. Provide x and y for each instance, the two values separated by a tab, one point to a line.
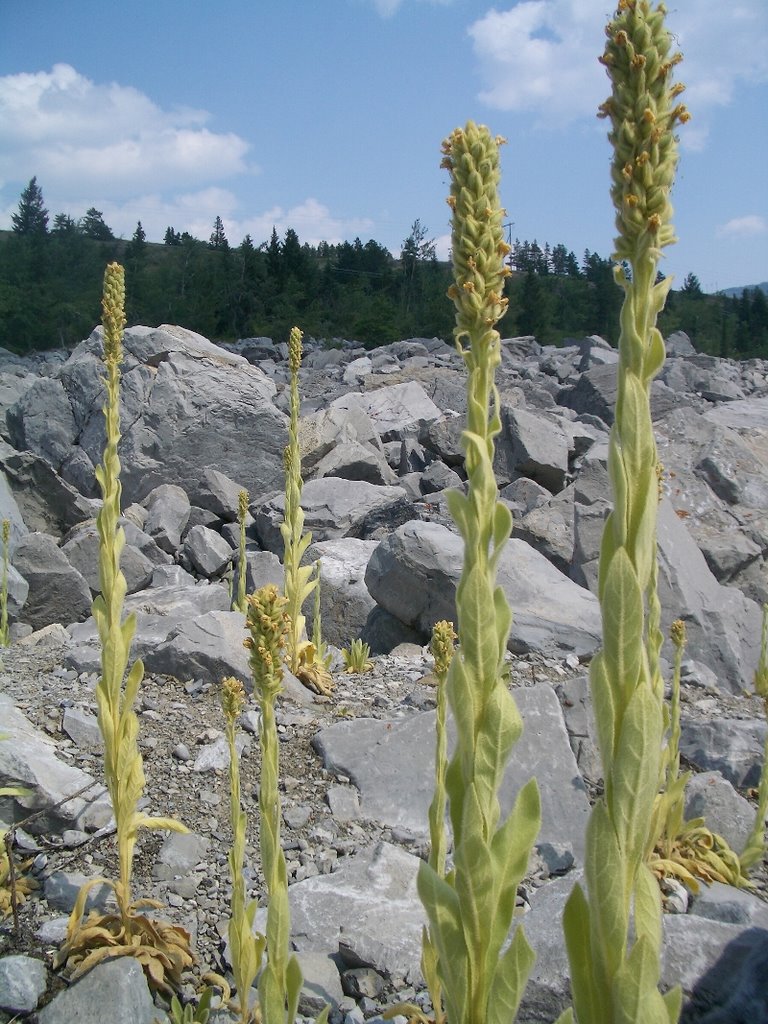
380	439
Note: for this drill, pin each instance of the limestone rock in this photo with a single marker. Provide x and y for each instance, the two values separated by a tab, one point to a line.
414	572
57	591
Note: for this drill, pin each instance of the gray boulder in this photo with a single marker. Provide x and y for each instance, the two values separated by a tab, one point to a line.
549	529
595	393
9	510
42	421
116	989
208	647
218	494
207	551
23	981
186	403
369	906
28	759
710	796
351	460
168	509
414	572
57	591
344	599
48	504
392	764
732	990
175	600
397	411
723	626
535	447
732	746
81	548
322	431
335	508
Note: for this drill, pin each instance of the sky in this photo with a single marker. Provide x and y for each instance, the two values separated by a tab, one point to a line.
327	116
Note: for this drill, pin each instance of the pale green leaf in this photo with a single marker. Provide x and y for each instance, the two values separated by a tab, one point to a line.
623	617
673	1000
171	824
647	907
605	711
294	979
589	1000
636	997
509	980
609	902
636	772
442	907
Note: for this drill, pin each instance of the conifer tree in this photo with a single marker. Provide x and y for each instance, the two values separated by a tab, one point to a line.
93	226
32	216
218	238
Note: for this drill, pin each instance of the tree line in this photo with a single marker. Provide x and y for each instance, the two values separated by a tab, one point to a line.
51	272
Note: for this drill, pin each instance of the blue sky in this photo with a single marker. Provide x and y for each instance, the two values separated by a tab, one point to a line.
327	116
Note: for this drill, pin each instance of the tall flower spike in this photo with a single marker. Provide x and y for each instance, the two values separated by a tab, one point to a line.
614	972
470	909
281	979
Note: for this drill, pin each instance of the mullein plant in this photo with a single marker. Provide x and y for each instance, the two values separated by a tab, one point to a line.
281	979
14	886
5	636
614	978
299	584
247	947
470	908
686	850
163	950
242	511
322	655
357	657
443	648
754	849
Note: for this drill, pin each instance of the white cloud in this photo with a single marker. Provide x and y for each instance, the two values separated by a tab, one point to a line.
195	212
743	227
312	221
541	55
72	132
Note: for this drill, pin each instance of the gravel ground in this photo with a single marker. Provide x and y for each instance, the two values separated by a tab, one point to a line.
174	712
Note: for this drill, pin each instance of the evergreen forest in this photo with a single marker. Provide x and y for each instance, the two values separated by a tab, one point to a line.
51	276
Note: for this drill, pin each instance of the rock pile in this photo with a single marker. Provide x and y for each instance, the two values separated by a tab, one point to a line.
380	439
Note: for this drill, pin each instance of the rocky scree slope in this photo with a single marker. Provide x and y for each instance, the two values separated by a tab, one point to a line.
381	443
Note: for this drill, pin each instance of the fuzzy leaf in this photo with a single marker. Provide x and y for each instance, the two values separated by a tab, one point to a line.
509	980
294	979
605	710
637	999
605	872
622	628
586	994
647	908
636	772
510	852
673	1000
442	906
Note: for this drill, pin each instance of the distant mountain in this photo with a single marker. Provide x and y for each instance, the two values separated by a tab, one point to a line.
736	292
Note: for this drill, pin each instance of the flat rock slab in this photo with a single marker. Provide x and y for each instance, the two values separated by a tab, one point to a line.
369	906
28	759
397	411
116	991
392	764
